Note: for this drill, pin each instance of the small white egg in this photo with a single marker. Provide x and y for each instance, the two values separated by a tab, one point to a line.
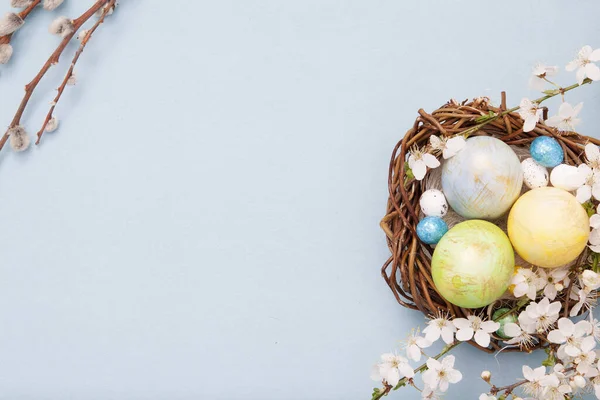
534	174
433	203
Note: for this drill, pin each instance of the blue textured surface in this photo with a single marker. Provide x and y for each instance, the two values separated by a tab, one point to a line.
431	229
205	222
547	151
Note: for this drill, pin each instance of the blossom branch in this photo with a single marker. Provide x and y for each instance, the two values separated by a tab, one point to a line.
84	41
486	119
52	60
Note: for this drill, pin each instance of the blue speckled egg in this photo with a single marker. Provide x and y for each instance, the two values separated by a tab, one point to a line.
431	229
546	151
483	180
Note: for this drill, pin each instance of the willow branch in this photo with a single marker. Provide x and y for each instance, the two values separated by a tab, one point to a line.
54	57
61	89
23	14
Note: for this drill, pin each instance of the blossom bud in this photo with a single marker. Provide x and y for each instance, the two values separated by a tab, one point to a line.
6	51
10	23
579	381
72	81
559	286
19	140
486	376
51	4
52	125
62	26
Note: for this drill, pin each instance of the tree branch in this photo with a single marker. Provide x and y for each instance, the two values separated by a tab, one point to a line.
61	89
54	57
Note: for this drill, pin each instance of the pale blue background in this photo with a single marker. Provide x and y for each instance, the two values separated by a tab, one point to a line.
205	223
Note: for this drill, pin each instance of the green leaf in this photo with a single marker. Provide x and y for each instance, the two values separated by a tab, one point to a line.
409	173
550	361
589	208
551	92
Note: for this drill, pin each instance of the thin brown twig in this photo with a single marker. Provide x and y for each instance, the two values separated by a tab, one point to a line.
23	14
61	89
52	60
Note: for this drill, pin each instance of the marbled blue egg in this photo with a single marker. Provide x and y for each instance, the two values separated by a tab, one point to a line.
483	180
431	229
546	151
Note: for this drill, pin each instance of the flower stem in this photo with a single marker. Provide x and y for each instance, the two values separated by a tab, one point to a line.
549	94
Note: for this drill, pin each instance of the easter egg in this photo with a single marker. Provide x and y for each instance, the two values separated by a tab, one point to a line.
483	180
503	316
534	174
431	229
433	203
472	264
548	227
546	151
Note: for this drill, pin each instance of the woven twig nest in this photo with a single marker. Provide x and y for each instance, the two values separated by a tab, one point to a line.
408	269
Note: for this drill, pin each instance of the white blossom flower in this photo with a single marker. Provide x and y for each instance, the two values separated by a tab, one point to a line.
594	239
19	139
414	344
567	177
569	335
485	396
52	4
518	335
429	394
539	316
440	374
584	300
526	282
448	146
20	3
440	326
539	72
473	326
537	380
586	359
559	372
592	154
584	64
590	280
591	183
61	26
566	120
531	113
10	23
391	368
419	161
52	125
595	327
6	51
555	281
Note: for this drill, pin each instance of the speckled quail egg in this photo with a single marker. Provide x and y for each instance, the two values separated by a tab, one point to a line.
433	203
534	175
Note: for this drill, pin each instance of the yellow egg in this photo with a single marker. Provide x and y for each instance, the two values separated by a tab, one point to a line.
548	227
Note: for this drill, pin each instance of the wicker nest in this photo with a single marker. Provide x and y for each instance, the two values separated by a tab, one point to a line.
408	269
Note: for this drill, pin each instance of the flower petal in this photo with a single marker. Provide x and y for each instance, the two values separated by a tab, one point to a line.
580	75
490	326
482	338
464	334
594	55
419	170
556	336
530	122
572	65
461	323
584	193
592	71
430	160
511	329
